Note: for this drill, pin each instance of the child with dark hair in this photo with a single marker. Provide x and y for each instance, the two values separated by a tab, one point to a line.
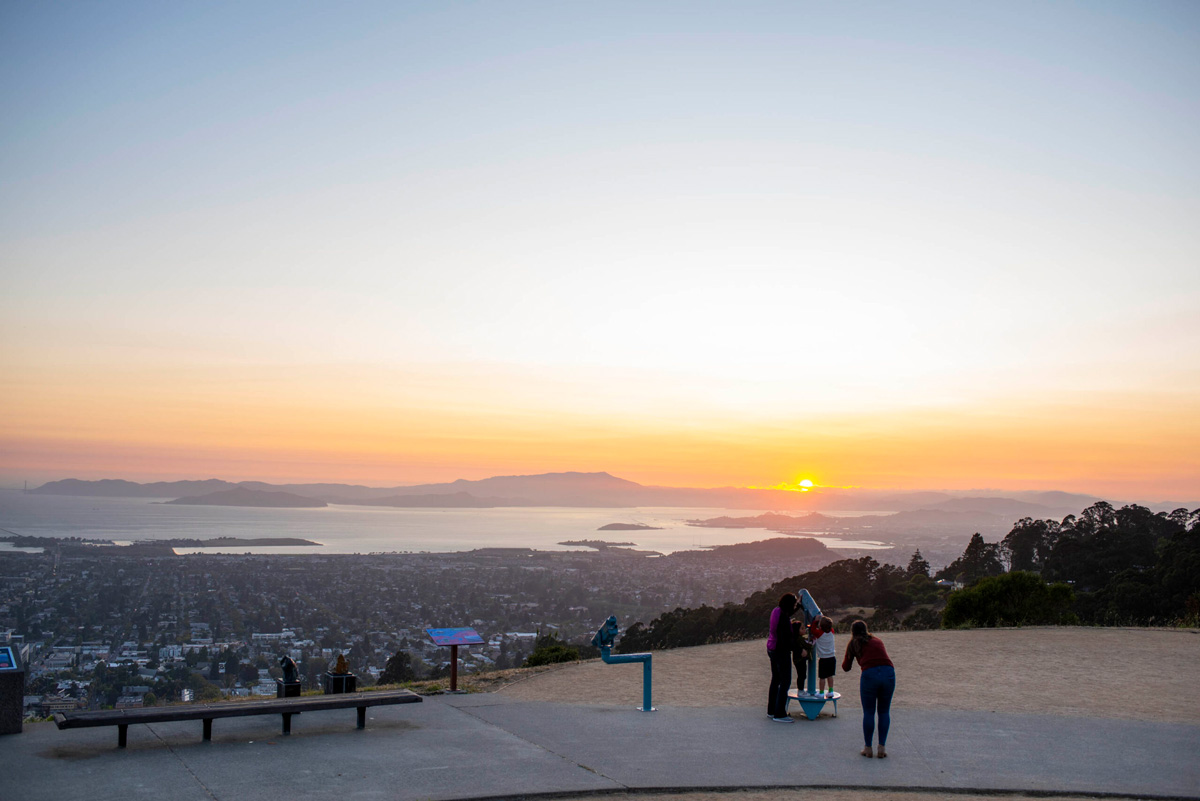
779	649
801	651
823	651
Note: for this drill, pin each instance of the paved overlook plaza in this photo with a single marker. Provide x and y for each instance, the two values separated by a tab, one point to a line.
575	730
484	745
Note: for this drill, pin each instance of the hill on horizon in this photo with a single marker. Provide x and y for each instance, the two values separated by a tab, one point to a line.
602	489
449	500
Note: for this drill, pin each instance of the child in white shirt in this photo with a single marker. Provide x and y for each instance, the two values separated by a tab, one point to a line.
821	631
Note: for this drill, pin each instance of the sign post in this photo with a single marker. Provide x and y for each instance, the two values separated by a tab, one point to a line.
454	638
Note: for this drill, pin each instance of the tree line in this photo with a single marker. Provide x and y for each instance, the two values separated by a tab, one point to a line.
1106	566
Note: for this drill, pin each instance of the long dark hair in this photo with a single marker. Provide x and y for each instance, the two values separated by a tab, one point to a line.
788	602
858	637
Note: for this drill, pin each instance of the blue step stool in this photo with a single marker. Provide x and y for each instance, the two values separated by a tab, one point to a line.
812	704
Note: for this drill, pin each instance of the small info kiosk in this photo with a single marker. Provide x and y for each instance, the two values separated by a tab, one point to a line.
12	690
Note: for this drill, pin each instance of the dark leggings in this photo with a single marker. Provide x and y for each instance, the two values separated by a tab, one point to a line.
801	663
781	682
875	688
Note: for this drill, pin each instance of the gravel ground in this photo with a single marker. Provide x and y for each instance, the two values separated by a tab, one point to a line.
1085	672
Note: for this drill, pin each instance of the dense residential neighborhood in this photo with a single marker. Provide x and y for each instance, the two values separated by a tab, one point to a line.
101	630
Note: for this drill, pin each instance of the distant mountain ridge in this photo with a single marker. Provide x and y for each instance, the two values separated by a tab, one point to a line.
600	489
119	488
450	500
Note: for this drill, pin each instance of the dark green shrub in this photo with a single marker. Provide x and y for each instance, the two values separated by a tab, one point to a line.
549	650
884	619
1012	599
922	620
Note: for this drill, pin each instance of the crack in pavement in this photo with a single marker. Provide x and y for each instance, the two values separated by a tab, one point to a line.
933	771
563	757
185	765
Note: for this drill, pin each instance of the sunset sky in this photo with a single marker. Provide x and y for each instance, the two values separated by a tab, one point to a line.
911	245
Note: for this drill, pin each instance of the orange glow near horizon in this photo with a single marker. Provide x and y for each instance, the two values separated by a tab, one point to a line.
546	252
360	429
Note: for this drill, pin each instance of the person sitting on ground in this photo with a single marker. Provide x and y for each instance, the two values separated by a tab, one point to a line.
823	651
876	685
779	649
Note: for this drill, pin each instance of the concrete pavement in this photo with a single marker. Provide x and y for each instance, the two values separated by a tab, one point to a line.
485	745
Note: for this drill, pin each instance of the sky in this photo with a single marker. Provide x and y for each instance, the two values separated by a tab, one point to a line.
908	245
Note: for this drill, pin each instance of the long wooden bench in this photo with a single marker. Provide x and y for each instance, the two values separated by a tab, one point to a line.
122	718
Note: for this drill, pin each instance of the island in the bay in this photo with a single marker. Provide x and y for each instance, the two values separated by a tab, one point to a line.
599	545
75	546
248	497
226	542
628	527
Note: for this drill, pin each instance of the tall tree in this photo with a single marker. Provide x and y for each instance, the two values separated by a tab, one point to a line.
398	669
1092	549
313	668
231	669
979	560
1029	542
917	566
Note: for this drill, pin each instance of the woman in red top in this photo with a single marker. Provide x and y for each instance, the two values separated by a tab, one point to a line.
875	686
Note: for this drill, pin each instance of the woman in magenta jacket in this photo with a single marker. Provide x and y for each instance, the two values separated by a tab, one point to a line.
779	649
875	686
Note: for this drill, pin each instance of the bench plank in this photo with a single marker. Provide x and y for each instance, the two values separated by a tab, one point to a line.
122	718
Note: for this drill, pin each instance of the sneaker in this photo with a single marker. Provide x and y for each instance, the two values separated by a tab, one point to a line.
783	719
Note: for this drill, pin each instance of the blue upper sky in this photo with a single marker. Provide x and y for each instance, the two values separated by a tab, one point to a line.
744	208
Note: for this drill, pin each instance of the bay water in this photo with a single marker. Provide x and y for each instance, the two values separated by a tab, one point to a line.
372	529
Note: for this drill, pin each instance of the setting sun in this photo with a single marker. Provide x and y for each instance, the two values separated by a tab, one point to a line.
288	279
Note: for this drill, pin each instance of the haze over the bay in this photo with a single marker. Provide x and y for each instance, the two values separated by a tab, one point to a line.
922	245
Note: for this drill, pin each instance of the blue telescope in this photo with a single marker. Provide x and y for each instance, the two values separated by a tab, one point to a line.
809	700
811	613
604	640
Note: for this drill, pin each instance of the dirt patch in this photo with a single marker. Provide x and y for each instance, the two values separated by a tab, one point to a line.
81	751
468	682
1131	674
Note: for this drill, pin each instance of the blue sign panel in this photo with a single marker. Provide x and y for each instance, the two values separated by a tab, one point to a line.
7	660
454	636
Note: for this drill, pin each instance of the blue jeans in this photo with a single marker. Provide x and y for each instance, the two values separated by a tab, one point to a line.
875	688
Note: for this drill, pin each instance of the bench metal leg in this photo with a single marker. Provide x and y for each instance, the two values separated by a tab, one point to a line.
287	722
362	717
208	728
122	734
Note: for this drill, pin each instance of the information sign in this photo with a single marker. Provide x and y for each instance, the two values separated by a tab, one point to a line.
454	636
